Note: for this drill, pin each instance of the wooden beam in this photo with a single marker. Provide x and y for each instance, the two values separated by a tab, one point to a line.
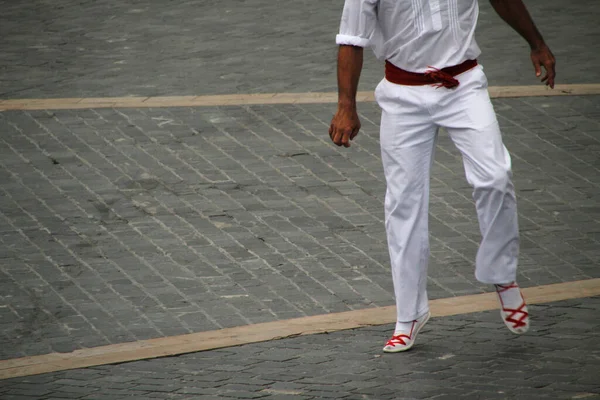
202	341
266	98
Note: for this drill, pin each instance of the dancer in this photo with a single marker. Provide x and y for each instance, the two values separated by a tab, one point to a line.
432	80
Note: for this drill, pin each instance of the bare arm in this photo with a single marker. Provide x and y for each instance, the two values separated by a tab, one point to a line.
346	124
349	67
515	14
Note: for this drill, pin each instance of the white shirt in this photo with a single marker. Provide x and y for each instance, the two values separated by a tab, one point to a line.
413	34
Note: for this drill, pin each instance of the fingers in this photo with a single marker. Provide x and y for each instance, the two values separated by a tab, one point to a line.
350	135
550	73
544	57
343	128
346	139
548	78
538	67
342	137
355	132
337	137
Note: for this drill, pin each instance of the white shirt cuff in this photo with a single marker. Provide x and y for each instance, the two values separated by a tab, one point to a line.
352	40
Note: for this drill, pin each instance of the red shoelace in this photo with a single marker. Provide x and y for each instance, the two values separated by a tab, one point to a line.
517	322
399	339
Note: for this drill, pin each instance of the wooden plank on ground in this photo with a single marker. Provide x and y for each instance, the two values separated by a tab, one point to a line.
266	98
202	341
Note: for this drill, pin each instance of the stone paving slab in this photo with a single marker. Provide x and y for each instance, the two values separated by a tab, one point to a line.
102	48
119	225
468	356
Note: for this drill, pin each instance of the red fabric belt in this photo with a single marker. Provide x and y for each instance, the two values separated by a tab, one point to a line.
439	77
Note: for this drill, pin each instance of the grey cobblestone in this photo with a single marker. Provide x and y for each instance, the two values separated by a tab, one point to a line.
206	48
484	361
120	225
120	239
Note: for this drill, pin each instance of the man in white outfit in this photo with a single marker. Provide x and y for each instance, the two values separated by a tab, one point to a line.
432	80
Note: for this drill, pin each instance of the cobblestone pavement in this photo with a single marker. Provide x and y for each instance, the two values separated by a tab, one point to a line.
96	48
119	225
463	357
125	224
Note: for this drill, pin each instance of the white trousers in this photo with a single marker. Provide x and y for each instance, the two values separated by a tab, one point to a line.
411	118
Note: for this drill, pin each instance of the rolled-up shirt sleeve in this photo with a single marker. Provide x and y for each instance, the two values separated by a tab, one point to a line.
359	20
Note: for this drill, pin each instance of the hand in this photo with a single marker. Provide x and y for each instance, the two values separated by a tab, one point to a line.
542	56
344	126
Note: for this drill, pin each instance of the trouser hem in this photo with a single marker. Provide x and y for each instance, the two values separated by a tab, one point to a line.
418	315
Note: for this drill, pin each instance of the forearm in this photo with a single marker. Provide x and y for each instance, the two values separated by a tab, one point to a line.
515	14
349	67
